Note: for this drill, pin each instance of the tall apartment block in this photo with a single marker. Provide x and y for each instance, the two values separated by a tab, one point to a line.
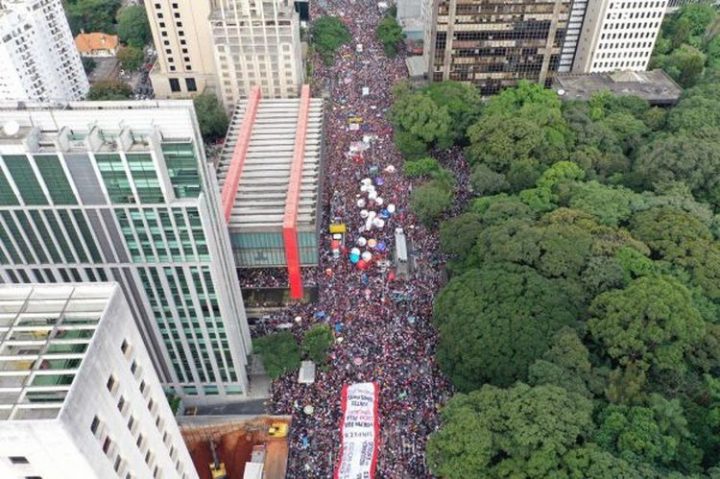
38	58
257	43
618	35
181	32
496	43
79	395
122	191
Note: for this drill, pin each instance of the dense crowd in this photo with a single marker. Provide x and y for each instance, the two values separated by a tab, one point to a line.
381	323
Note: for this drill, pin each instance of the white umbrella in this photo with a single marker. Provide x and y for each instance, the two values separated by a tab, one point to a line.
366	181
391	208
309	410
364	213
372	195
361	241
361	203
367	255
379	201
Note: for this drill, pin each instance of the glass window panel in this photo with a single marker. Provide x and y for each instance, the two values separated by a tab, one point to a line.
55	180
25	179
115	178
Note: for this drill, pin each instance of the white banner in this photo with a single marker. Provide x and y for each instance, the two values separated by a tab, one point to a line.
359	431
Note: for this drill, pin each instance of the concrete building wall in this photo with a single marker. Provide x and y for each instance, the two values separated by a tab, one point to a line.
145	439
144	214
257	44
618	35
494	43
47	447
40	61
181	33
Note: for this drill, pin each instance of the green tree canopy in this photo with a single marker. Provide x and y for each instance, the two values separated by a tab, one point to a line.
92	15
279	352
328	35
518	432
211	116
109	90
390	34
131	58
316	343
133	26
486	316
429	201
652	323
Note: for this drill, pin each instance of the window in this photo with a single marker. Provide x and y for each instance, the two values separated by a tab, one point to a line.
125	347
33	477
112	384
19	460
95	424
190	84
174	84
121	405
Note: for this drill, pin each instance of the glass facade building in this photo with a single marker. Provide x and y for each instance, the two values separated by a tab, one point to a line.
125	194
495	43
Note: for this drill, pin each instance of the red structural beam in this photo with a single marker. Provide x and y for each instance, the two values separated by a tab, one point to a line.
290	234
232	180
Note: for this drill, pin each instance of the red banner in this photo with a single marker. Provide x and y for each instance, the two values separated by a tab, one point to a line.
359	432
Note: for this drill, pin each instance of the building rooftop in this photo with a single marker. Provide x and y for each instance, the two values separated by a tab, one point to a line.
45	331
655	86
90	42
266	164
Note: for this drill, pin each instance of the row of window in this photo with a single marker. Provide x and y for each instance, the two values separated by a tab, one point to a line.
617	64
624	54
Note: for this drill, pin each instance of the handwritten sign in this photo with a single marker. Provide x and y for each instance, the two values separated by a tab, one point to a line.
359	431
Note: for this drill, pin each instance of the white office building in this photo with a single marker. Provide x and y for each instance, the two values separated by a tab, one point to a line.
618	35
38	58
256	44
122	191
79	397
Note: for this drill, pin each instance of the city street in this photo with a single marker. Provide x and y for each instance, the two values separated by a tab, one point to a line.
382	325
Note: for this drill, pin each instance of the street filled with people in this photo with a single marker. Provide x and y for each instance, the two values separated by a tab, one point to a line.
381	318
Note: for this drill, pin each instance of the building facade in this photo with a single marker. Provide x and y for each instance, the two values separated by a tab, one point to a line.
37	53
80	397
618	35
121	191
185	63
495	43
256	44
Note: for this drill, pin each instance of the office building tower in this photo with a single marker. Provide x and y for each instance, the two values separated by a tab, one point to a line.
121	191
185	64
572	35
618	35
38	59
79	397
256	44
495	43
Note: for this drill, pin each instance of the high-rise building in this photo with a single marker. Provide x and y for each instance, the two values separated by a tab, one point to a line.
122	191
256	44
79	394
38	59
495	43
618	35
181	32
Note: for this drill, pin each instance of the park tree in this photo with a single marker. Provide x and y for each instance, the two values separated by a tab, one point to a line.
109	90
211	116
522	431
463	104
566	364
684	64
133	26
390	34
680	158
488	315
131	58
652	323
485	181
421	168
92	15
316	343
418	117
610	205
279	353
697	116
429	201
459	234
89	64
328	35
